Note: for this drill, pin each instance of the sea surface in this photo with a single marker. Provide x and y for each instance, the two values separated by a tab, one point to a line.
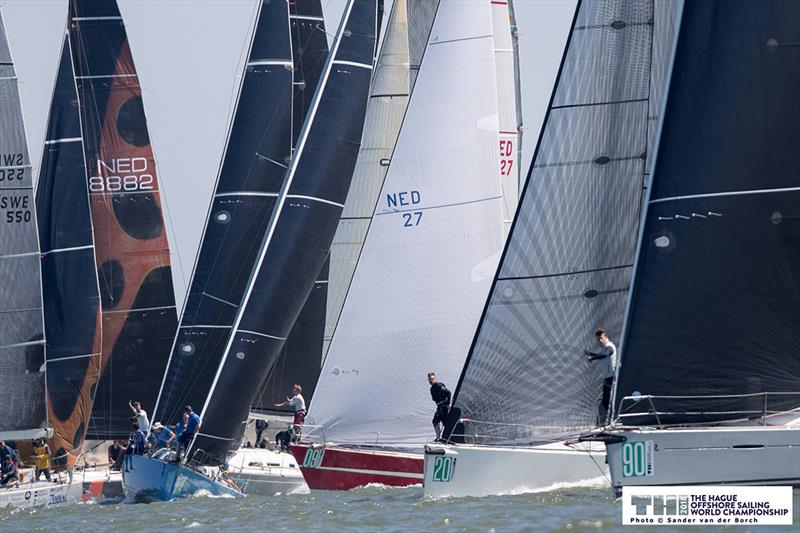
365	509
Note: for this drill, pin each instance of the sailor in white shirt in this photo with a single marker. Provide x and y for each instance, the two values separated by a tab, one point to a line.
141	416
298	403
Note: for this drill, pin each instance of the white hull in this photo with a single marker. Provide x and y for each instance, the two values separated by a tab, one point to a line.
258	471
41	494
487	470
706	456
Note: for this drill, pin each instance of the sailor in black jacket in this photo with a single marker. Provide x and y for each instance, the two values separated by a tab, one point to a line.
441	396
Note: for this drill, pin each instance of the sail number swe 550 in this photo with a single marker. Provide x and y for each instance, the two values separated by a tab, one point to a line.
123	174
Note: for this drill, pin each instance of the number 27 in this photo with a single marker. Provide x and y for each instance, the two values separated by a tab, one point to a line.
409	221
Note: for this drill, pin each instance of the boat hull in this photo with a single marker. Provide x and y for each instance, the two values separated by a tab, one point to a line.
471	470
41	494
102	485
340	468
148	479
705	456
265	472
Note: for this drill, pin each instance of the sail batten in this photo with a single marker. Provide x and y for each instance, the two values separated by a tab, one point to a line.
22	345
566	267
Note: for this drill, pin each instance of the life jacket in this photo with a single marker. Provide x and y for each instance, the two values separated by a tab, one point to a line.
42	457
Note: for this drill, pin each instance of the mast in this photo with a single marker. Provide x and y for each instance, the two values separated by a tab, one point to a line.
566	267
22	344
431	248
714	302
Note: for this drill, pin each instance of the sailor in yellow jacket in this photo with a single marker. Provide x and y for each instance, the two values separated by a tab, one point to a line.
42	452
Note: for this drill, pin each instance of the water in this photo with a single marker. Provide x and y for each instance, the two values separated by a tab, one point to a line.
365	509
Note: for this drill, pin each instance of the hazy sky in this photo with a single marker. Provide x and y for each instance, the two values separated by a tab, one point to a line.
189	54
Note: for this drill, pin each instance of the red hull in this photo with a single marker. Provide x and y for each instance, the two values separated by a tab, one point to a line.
337	468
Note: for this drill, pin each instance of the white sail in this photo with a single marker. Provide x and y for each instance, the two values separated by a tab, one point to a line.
431	250
509	111
392	82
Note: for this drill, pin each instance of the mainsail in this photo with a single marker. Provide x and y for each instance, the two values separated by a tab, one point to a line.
714	305
301	356
230	336
130	238
430	251
567	263
22	354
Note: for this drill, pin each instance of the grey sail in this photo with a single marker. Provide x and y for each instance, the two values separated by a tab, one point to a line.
407	31
22	354
567	264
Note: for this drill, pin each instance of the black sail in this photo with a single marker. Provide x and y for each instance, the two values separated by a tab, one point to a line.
257	153
714	307
300	232
69	277
300	358
566	267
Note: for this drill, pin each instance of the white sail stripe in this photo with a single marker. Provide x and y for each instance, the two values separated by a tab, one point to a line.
315	199
72	249
206	326
9	78
103	193
725	193
15	166
245	193
64	140
509	50
322	281
262	334
352	64
58	360
14	256
212	436
372	472
282	165
20	344
265	245
96	18
219	299
257	62
101	76
139	309
307	17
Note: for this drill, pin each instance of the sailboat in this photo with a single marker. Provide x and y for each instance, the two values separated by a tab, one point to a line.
708	387
424	269
109	301
526	389
254	272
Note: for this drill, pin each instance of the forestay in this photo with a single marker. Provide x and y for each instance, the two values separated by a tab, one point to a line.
21	327
714	307
431	249
567	264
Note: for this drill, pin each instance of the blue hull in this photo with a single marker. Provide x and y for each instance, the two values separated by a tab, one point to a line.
148	479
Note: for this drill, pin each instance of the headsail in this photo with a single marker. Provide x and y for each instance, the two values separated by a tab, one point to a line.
431	249
301	356
22	354
238	332
567	263
714	306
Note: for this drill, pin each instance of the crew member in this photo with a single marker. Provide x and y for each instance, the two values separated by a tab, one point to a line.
9	472
298	403
141	416
42	453
191	427
441	397
607	355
